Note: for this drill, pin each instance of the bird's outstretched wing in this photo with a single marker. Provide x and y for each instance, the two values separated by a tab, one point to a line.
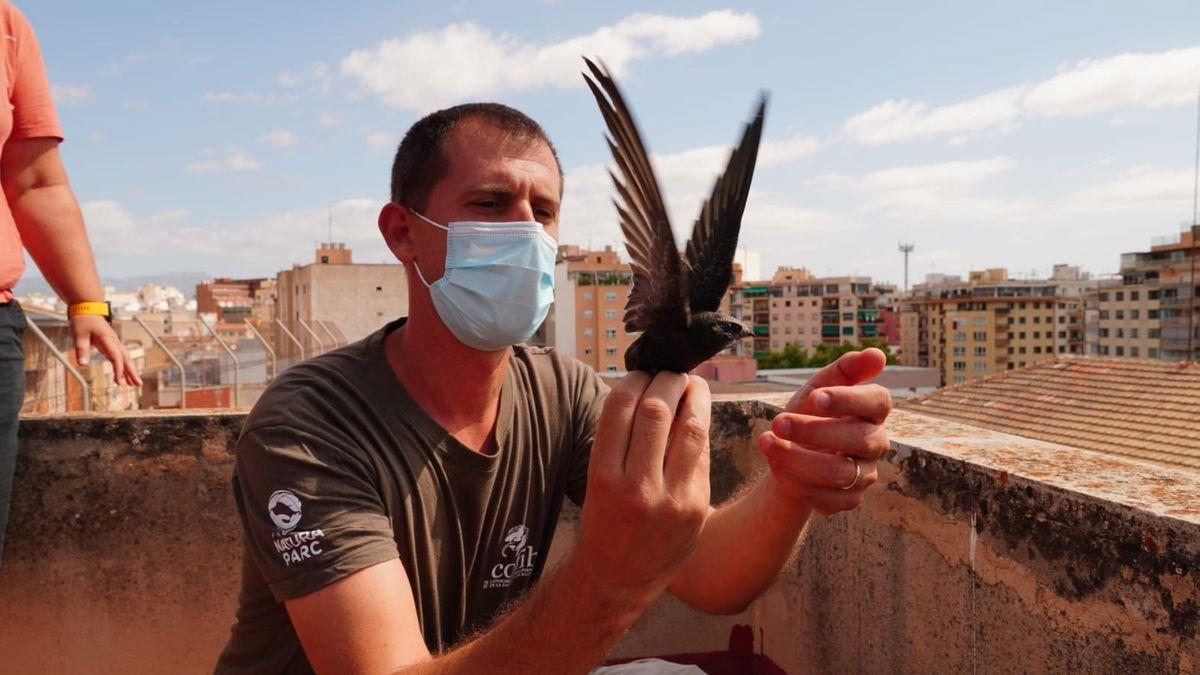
715	234
658	297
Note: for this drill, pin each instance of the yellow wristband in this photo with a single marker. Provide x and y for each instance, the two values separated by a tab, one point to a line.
97	308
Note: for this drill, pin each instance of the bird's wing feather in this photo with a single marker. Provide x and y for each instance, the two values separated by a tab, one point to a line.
715	234
658	296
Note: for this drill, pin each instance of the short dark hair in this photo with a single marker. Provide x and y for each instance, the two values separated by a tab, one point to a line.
420	163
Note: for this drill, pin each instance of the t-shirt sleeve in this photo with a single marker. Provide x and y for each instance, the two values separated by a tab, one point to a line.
33	113
310	509
588	392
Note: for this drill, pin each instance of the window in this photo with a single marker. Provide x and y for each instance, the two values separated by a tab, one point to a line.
1134	352
1037	319
960	335
774	330
1152	295
960	365
587	351
610	351
1120	296
610	295
1152	352
960	351
979	321
787	303
1104	297
1120	351
587	313
1103	314
981	351
587	295
1022	334
1152	314
1037	349
847	330
1133	295
1062	334
1120	332
959	378
1061	349
847	316
587	332
979	336
610	314
980	366
1134	314
1020	319
787	330
1120	314
1133	333
610	332
1037	335
610	368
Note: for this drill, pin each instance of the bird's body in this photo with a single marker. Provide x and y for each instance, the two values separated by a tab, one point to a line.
675	301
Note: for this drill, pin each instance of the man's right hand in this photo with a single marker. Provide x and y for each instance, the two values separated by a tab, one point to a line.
648	490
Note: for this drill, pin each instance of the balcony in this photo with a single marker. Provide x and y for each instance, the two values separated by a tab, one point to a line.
978	551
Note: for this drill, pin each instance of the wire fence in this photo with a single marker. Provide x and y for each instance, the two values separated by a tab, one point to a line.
211	376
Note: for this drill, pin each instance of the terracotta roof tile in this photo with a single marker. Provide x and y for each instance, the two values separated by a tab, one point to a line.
1145	409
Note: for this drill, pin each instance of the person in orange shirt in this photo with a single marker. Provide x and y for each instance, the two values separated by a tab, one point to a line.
39	213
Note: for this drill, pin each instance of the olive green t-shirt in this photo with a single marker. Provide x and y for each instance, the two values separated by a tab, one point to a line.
338	469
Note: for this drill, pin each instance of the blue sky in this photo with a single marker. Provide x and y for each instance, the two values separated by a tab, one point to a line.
215	136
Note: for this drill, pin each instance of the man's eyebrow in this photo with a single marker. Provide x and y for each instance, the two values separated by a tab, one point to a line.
490	188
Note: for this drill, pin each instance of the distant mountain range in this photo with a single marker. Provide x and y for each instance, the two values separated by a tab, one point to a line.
184	281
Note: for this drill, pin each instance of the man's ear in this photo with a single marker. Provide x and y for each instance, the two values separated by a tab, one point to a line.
395	224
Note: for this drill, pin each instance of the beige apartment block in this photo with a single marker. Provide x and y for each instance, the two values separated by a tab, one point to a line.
590	288
350	299
1152	309
991	323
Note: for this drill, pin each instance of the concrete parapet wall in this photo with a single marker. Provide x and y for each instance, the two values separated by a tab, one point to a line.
977	551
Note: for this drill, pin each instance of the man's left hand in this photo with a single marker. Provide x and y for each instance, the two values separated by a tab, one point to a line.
823	448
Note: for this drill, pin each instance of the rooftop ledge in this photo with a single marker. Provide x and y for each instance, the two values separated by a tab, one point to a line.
977	550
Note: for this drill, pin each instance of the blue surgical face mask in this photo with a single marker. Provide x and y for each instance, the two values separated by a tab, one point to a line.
499	281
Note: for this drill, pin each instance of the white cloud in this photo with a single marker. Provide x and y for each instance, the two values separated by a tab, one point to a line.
431	69
231	97
1091	86
381	140
117	67
317	76
281	138
904	120
1137	190
71	94
234	160
263	243
945	191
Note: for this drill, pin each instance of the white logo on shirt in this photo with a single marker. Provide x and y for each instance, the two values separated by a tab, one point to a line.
515	546
284	509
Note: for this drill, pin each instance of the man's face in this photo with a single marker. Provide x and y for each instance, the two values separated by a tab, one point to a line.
491	179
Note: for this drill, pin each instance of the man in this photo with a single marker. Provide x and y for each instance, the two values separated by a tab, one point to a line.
399	495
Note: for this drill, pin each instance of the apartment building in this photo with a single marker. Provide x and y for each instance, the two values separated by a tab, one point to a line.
589	307
1150	310
991	323
235	300
334	300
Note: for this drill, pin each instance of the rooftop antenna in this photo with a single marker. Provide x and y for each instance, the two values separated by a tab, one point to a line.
906	249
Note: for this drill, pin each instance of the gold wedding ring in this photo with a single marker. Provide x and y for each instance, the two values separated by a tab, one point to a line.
857	472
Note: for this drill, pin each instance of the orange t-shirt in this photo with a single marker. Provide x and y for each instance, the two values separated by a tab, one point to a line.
29	114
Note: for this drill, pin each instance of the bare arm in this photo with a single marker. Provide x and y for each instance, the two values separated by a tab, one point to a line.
51	226
745	543
647	497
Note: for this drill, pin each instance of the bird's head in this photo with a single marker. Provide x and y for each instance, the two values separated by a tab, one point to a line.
735	330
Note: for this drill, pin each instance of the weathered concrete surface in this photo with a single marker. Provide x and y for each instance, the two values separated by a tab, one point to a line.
123	548
976	552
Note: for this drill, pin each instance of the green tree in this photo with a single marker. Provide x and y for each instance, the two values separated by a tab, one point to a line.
795	356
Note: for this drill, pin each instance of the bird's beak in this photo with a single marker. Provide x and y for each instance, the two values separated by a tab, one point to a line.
746	332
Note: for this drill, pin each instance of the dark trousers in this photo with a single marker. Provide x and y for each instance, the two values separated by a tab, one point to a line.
12	394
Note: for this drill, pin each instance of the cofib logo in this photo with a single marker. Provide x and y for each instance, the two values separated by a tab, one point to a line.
519	556
284	508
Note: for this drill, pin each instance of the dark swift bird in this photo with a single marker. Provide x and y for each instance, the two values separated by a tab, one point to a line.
674	301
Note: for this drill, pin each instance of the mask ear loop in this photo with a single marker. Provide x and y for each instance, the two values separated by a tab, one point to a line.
417	265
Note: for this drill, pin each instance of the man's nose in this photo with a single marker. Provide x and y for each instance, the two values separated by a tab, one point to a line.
521	210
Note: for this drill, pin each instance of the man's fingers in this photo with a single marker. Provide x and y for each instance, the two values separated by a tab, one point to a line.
850	369
823	500
652	426
821	469
616	422
839	435
688	448
869	402
83	348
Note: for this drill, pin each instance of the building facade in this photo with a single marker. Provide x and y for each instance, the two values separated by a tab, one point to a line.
991	323
1152	310
590	288
235	300
334	300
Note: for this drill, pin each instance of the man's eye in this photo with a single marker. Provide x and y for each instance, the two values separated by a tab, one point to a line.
488	203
